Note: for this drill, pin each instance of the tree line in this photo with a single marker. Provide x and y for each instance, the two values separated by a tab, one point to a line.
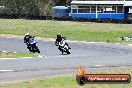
31	7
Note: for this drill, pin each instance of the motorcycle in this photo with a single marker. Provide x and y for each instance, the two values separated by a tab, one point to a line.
31	45
63	46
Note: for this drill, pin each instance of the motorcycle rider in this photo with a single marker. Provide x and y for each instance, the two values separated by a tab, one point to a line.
59	39
31	43
27	38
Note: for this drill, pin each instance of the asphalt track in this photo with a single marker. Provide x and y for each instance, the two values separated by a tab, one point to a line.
92	56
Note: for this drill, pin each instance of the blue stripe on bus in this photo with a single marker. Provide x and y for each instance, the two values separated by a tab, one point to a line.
100	15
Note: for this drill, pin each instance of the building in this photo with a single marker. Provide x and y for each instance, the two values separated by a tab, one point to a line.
113	9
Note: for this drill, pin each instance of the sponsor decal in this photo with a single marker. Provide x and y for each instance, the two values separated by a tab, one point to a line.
83	78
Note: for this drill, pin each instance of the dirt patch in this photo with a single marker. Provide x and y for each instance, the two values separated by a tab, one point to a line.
11	35
21	37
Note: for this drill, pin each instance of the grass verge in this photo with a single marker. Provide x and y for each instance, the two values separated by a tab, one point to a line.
83	31
16	55
70	82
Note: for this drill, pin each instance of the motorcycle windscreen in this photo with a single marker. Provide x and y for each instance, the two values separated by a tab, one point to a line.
32	41
62	43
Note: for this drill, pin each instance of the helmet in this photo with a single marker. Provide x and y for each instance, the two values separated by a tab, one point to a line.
27	34
58	35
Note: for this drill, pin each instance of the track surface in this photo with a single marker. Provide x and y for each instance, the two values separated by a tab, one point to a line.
90	55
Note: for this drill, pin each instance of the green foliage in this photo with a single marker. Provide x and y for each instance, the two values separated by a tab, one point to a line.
21	7
61	3
31	7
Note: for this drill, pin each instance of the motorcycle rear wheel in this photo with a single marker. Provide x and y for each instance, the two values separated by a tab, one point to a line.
68	52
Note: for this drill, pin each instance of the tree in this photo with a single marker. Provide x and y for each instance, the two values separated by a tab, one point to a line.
61	3
32	7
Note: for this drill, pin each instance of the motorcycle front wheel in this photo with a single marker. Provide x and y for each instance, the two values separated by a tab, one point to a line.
37	50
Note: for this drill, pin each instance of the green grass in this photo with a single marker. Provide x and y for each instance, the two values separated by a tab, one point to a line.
16	55
69	82
72	30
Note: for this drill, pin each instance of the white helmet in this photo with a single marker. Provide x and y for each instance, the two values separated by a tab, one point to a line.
58	33
27	34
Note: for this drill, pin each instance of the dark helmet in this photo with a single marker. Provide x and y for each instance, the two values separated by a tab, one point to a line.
58	35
